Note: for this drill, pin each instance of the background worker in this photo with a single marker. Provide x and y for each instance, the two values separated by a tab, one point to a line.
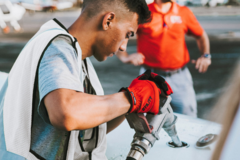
52	105
161	47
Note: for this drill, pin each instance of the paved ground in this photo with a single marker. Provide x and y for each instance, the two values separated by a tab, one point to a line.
218	21
216	11
223	30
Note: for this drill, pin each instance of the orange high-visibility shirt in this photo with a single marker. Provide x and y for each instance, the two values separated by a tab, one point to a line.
162	41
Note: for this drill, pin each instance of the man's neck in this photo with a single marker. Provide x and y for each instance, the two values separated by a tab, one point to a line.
164	6
85	38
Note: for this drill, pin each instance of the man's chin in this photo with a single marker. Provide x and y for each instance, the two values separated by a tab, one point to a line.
100	59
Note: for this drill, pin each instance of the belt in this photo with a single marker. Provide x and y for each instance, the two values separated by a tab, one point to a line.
168	73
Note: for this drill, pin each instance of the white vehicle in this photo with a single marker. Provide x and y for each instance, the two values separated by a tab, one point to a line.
149	1
211	3
12	13
189	130
39	5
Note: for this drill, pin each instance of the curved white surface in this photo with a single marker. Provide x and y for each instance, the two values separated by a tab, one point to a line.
3	77
189	130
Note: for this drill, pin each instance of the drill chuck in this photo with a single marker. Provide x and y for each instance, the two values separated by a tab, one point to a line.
135	154
140	147
130	158
148	127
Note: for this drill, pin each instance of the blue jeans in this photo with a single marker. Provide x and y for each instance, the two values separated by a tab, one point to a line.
183	97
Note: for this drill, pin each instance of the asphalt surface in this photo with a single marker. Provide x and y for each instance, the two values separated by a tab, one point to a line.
223	30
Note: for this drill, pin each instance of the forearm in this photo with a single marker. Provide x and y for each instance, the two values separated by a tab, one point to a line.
111	125
135	58
80	111
203	43
203	62
100	109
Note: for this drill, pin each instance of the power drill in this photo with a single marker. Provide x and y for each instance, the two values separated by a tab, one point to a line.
148	127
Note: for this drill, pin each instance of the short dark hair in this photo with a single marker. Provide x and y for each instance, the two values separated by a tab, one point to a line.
140	7
136	6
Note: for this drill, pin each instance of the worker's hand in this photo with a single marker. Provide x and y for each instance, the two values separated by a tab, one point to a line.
159	81
6	30
144	96
136	59
202	64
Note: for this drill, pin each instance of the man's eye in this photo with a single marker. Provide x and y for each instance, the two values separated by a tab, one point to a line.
130	34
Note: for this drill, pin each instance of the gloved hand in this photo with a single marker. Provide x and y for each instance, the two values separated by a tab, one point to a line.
144	96
159	81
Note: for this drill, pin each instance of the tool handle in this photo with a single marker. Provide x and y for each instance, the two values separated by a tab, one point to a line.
139	122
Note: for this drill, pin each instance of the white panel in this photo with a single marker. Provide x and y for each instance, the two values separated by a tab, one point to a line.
189	130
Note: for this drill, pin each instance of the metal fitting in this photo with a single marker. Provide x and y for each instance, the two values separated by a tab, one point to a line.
143	143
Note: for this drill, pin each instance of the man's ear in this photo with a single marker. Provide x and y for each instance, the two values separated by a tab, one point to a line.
108	20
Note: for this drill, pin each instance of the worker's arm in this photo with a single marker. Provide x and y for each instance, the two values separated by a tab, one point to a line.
202	63
136	58
71	110
111	125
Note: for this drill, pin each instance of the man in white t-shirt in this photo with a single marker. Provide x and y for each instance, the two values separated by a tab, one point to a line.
52	105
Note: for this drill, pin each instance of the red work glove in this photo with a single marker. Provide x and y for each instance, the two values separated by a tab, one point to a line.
144	96
159	81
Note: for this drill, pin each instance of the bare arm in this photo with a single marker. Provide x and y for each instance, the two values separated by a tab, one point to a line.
71	110
111	125
202	63
203	43
136	58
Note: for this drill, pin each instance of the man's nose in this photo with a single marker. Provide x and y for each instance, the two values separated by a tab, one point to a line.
123	46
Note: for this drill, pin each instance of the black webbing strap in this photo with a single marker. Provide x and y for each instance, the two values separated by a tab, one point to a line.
85	63
95	131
